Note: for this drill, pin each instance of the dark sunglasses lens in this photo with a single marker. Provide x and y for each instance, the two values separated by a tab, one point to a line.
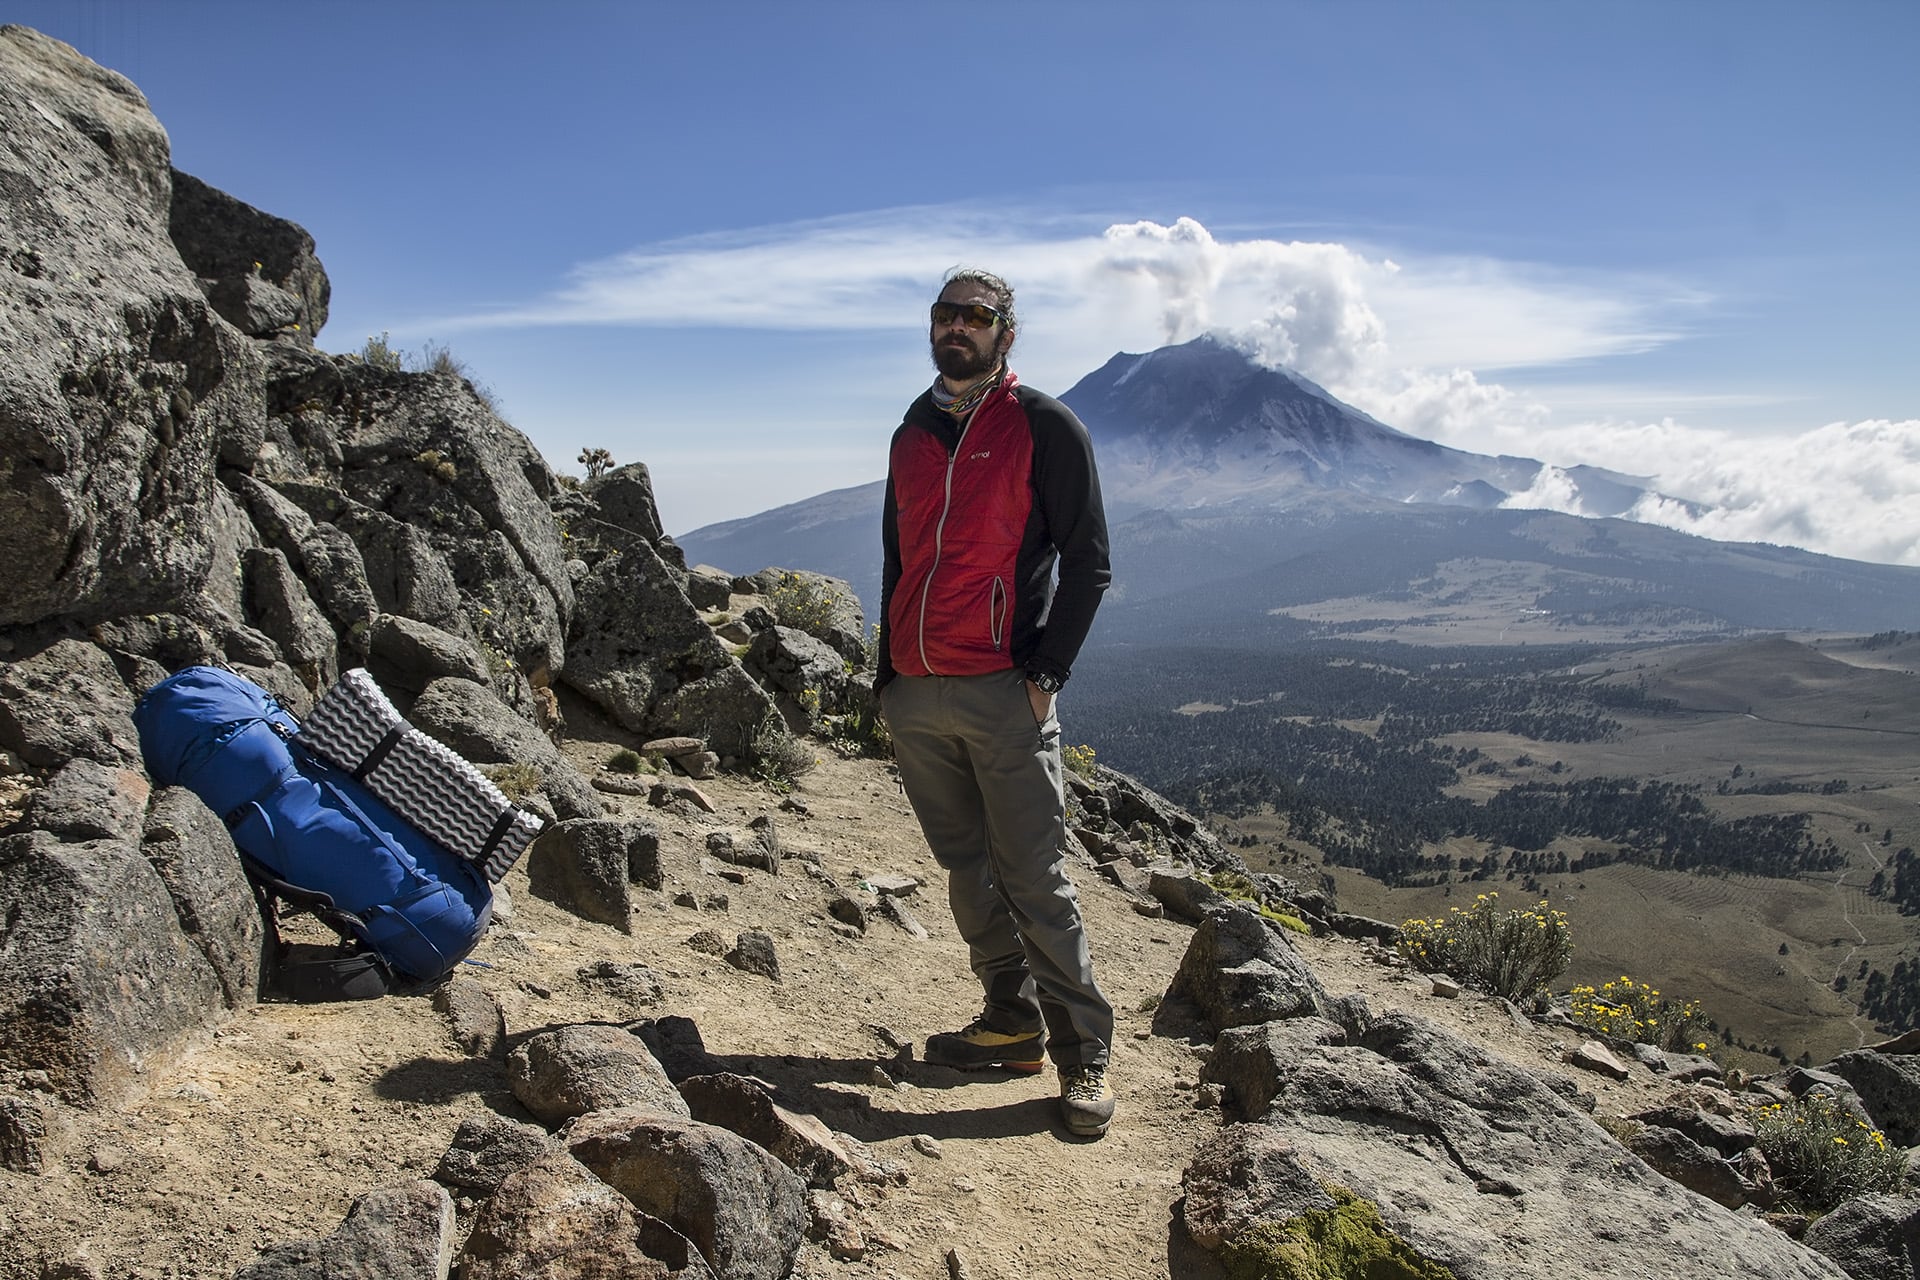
976	315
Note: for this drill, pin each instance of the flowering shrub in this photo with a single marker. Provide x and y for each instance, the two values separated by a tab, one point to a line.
805	604
1637	1011
1078	760
1510	953
1821	1155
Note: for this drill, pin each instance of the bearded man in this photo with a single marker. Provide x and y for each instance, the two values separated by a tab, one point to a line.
990	486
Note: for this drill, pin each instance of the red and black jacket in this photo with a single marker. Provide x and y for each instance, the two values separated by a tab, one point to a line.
977	513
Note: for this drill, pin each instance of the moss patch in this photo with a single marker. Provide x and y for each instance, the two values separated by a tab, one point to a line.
1344	1242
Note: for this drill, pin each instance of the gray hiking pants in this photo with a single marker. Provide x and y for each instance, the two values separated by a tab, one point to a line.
986	783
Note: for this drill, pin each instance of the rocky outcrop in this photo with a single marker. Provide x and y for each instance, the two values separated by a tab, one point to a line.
1477	1167
188	479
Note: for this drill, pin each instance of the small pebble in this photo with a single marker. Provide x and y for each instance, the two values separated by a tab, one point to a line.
927	1146
963	1186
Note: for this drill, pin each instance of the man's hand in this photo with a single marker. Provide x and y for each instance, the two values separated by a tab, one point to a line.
1041	702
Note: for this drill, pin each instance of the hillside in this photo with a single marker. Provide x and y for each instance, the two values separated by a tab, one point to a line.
269	1132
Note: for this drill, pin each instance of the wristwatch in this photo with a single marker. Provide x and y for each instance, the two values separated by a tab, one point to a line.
1047	684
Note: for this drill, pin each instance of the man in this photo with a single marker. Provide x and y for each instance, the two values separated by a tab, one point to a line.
990	485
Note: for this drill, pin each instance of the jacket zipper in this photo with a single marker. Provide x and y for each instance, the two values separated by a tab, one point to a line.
940	530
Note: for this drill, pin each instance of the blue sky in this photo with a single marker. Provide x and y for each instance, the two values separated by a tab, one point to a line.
1676	239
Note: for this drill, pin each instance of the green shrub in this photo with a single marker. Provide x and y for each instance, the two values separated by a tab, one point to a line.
1516	954
1637	1011
379	353
805	604
516	781
776	757
1821	1155
625	760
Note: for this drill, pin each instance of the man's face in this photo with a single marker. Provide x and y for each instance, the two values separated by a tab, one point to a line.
960	352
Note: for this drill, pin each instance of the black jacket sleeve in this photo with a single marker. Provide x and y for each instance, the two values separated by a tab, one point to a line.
1067	490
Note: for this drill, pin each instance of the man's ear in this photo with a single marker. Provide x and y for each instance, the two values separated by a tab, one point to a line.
1006	342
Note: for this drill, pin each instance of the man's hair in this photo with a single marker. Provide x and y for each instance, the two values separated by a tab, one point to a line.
1002	291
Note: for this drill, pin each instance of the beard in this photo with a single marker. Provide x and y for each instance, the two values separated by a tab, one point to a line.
961	361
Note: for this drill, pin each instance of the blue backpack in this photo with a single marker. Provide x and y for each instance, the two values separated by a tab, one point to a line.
309	831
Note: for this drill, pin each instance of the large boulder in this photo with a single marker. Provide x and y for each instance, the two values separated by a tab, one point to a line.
259	272
1475	1165
641	652
98	982
1240	970
113	369
744	1209
569	1071
554	1219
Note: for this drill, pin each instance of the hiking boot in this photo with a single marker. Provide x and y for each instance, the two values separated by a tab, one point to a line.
981	1045
1086	1099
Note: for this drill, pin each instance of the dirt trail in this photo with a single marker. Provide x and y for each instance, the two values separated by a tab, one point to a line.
269	1132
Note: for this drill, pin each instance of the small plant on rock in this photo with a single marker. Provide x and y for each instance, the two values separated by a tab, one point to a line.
1822	1155
804	603
1515	954
1079	760
625	760
597	462
516	781
1637	1011
379	353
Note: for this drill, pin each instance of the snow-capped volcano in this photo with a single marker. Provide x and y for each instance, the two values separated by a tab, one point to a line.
1201	424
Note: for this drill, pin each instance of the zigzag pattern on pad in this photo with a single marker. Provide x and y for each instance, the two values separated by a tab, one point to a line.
431	786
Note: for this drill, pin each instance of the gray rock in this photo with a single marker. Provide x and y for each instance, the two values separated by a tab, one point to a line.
891	908
191	851
278	601
407	572
63	701
708	587
113	369
1479	1167
1244	1175
97	981
632	983
624	499
564	1073
1675	1155
753	953
639	650
807	677
1727	1135
753	852
29	1132
86	800
336	577
801	1142
1596	1057
553	1220
393	1233
474	1017
240	253
581	864
474	723
1888	1085
1875	1236
1239	970
1251	1062
744	1210
1184	895
487	1149
411	655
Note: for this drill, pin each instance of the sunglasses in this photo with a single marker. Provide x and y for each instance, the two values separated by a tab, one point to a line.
978	315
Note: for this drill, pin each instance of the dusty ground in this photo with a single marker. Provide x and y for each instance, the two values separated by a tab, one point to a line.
269	1132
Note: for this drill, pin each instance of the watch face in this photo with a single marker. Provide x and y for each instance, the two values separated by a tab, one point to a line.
1045	683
